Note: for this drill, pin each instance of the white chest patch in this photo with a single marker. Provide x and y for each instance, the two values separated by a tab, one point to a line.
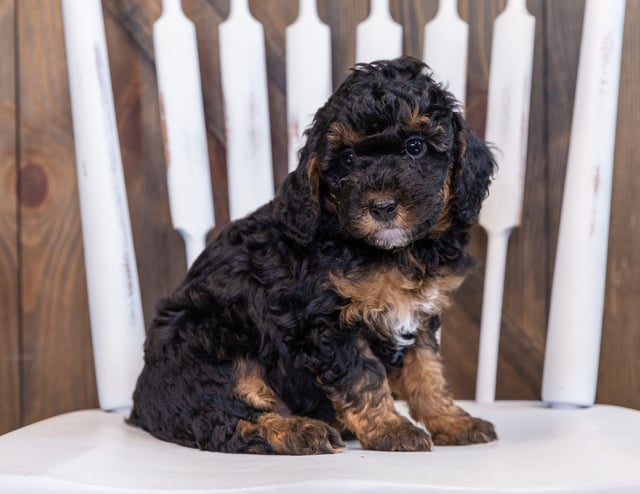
404	320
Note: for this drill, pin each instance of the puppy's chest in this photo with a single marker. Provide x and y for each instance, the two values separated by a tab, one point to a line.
391	305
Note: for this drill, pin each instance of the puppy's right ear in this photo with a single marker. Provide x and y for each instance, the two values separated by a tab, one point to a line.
297	204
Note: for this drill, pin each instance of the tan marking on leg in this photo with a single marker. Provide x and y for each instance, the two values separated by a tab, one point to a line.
369	412
444	220
251	388
289	435
422	383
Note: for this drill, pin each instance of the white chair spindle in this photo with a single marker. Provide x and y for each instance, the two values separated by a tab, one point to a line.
115	308
450	65
183	125
507	128
246	106
308	44
378	37
577	299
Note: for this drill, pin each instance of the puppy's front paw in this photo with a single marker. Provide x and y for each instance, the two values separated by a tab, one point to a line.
399	436
460	430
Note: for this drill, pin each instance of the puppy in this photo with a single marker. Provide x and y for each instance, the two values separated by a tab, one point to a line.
303	321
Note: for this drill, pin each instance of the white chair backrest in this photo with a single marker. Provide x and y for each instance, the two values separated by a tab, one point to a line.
250	174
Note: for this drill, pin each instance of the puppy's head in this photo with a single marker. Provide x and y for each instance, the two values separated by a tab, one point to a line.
390	156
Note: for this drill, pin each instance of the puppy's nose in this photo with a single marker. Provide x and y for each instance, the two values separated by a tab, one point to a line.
383	210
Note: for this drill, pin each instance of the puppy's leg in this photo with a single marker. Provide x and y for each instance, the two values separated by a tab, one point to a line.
272	430
273	433
363	403
421	382
228	408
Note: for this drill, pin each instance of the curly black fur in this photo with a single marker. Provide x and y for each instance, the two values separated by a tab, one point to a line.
256	338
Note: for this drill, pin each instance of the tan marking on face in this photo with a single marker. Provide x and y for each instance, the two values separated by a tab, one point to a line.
462	145
433	132
366	226
417	122
341	135
446	216
313	173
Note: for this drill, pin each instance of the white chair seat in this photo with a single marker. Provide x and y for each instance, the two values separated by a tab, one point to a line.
580	450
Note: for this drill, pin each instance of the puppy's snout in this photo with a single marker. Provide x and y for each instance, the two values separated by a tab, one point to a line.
383	210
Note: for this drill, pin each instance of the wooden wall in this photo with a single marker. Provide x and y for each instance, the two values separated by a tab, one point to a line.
45	342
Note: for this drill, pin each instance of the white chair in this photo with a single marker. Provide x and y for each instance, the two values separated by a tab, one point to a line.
541	448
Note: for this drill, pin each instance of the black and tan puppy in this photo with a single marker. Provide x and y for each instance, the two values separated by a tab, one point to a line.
305	319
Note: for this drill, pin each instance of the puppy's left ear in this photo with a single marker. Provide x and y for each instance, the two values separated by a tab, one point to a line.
472	172
297	204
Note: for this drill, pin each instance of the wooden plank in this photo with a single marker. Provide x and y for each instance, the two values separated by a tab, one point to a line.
526	286
207	17
619	376
480	17
10	403
275	16
58	366
342	17
413	16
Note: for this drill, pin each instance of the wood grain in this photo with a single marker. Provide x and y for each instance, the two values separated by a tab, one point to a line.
342	17
525	301
10	400
619	377
58	365
207	17
275	15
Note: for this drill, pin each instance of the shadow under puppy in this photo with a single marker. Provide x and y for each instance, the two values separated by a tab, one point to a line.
304	319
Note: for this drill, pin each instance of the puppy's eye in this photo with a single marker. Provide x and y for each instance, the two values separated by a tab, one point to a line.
414	146
347	157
